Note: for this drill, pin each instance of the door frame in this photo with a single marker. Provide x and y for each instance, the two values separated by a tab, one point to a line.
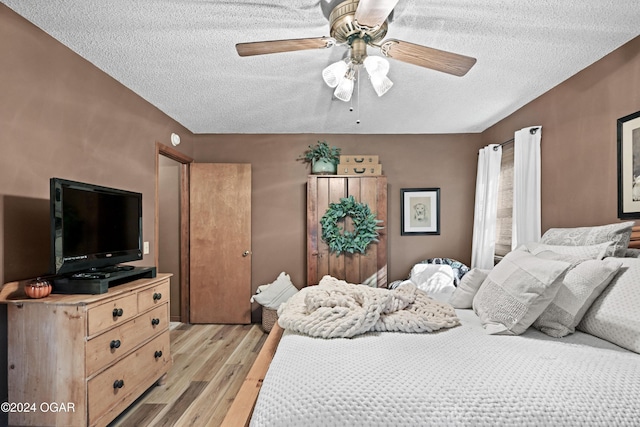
185	162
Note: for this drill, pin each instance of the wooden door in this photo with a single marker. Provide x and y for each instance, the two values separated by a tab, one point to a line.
370	267
220	247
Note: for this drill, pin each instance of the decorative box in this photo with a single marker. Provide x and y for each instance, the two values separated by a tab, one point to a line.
359	169
359	159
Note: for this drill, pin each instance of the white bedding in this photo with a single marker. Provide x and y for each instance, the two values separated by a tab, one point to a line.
459	376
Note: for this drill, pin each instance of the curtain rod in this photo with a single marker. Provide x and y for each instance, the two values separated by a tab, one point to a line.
532	131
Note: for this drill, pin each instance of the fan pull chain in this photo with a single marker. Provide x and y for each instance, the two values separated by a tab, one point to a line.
358	94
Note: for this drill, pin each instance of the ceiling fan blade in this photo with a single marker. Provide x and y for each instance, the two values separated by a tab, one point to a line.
427	57
277	46
373	13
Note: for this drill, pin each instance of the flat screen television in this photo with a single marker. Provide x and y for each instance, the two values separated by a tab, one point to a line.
93	227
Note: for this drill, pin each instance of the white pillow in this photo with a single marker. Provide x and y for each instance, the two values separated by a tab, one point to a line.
580	287
618	233
597	251
276	293
516	292
462	297
615	314
437	280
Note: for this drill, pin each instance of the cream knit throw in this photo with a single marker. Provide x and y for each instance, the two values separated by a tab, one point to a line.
337	309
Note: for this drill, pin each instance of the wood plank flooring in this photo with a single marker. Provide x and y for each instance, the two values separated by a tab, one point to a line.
210	363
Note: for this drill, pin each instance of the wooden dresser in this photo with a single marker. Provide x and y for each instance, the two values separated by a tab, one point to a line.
80	360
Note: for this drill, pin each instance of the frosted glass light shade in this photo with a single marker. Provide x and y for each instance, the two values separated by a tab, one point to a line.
334	73
345	89
381	84
376	65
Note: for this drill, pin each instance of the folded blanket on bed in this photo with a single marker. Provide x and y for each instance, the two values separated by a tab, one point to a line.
337	309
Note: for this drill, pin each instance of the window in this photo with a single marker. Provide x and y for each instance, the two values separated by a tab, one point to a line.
505	204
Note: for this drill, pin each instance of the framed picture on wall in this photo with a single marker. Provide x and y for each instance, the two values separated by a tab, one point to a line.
420	211
629	166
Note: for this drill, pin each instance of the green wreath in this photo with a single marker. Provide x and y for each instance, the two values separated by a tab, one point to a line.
365	227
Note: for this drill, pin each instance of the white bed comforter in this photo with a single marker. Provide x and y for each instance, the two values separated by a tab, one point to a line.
460	377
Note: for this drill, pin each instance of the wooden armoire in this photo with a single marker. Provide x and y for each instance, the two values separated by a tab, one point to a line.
370	267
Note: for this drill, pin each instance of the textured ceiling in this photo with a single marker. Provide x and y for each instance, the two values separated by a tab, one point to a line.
180	56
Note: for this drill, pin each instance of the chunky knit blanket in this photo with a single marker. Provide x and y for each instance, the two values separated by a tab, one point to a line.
337	309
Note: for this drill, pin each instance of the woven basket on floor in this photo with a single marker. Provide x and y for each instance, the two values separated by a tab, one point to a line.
269	318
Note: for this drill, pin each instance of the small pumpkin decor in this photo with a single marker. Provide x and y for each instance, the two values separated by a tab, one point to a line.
37	288
365	226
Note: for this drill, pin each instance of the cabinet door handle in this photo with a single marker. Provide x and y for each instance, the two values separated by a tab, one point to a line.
155	321
117	312
157	296
115	344
118	384
157	354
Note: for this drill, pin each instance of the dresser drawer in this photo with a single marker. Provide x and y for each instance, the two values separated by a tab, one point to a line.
113	344
114	312
123	382
153	296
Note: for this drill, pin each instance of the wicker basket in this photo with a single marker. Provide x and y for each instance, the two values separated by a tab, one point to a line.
269	318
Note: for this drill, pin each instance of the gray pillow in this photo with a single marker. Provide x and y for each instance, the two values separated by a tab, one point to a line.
618	233
463	295
597	251
614	316
579	289
276	293
517	291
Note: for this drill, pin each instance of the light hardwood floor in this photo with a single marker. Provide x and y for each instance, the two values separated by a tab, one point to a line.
210	363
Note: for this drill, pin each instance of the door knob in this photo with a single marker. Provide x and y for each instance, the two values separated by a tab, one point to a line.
246	253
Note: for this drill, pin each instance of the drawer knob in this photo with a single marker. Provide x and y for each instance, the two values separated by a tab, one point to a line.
157	296
118	384
117	312
155	321
157	354
115	344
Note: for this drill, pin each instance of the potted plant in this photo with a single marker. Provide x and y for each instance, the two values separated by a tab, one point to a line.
323	158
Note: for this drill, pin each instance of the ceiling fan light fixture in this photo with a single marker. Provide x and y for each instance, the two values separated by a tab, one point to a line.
376	65
381	84
334	73
344	90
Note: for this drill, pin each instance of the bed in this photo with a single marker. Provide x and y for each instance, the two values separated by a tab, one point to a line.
469	374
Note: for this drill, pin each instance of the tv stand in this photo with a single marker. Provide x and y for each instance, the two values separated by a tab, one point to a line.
98	353
99	281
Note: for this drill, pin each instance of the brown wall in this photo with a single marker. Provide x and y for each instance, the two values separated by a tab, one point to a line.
408	161
61	116
579	151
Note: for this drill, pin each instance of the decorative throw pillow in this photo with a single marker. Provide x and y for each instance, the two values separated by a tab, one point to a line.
618	233
579	289
597	251
276	293
462	297
516	292
632	253
614	316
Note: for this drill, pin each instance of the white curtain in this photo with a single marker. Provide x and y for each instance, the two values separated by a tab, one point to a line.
526	186
486	206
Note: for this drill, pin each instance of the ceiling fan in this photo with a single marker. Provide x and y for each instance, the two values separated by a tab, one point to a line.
358	24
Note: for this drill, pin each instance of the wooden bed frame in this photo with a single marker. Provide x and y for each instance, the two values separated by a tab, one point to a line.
239	414
241	409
